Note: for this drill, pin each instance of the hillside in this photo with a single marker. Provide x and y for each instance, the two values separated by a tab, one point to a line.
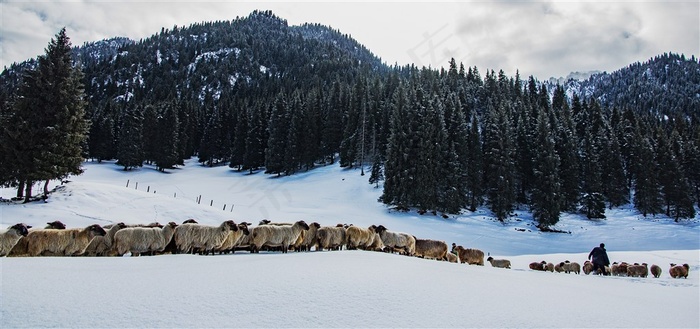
337	288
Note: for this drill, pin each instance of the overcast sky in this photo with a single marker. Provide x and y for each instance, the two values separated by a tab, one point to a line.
540	38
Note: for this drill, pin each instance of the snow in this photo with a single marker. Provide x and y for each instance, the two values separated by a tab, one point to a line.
339	288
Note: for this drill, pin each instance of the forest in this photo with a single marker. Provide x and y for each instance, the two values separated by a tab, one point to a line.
258	95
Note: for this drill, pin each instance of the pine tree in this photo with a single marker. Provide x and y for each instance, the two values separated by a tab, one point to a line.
52	109
546	192
167	127
474	166
130	145
278	133
647	198
399	178
499	164
675	190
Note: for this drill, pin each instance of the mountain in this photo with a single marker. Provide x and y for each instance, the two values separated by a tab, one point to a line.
666	84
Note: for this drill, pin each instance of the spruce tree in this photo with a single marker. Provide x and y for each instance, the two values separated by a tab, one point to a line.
474	166
499	164
546	191
278	130
130	144
167	125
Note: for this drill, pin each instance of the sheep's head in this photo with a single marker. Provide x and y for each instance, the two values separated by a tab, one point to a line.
316	225
97	229
155	224
373	228
231	225
56	225
172	224
380	229
21	229
190	221
489	259
264	222
244	227
339	225
303	225
121	225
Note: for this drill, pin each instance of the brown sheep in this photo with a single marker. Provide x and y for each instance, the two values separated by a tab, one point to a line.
678	271
432	249
619	269
638	270
538	266
22	246
469	256
572	267
331	238
358	237
587	267
62	242
655	270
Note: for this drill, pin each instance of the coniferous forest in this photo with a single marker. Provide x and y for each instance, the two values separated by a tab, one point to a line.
259	95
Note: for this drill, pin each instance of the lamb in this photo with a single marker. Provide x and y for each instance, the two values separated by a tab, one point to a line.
233	239
22	246
451	257
587	267
655	270
358	237
538	266
432	249
641	271
471	256
68	242
101	245
331	238
141	240
276	236
678	271
203	238
11	236
571	267
397	240
501	263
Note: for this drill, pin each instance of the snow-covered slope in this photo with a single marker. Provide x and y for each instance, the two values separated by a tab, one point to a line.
334	289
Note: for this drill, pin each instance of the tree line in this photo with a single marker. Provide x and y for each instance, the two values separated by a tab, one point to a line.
441	141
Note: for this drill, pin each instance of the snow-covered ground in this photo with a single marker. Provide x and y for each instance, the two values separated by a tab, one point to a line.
334	289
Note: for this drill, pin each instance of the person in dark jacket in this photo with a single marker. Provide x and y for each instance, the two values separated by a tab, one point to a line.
599	259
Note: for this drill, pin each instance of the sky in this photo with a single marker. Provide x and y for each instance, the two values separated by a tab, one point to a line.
540	38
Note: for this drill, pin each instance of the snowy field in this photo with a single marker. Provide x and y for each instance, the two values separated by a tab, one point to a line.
334	289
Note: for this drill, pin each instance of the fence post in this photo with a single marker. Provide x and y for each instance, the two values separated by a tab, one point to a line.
127	183
148	189
211	203
137	186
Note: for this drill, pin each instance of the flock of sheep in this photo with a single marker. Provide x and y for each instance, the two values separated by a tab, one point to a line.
191	237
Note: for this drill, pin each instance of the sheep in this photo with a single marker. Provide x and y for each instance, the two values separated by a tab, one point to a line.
559	267
330	238
538	266
68	242
619	269
171	248
376	244
308	238
432	249
276	236
501	263
451	257
233	239
641	271
678	271
655	270
358	237
140	240
398	240
470	256
571	267
101	245
203	238
22	246
587	267
11	236
549	267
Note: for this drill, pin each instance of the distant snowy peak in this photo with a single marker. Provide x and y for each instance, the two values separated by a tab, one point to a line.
576	76
98	50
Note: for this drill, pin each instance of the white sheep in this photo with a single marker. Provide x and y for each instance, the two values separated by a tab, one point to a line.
330	238
101	245
142	240
191	238
233	239
358	237
276	236
397	240
10	237
502	263
308	238
69	242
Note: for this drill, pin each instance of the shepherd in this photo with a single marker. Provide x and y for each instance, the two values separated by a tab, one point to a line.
599	258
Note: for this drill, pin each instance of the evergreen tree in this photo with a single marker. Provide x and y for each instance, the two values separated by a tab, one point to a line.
130	145
647	198
474	167
278	130
51	111
167	127
675	190
499	164
546	192
399	177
